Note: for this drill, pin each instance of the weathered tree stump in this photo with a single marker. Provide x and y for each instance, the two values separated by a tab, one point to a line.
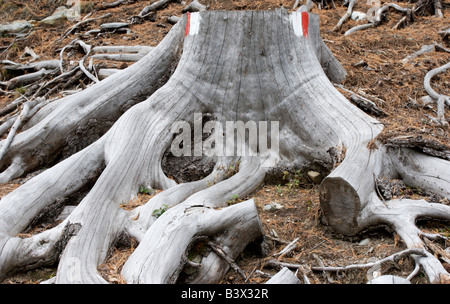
252	66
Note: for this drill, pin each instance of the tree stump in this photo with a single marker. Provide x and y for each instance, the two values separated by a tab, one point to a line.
247	67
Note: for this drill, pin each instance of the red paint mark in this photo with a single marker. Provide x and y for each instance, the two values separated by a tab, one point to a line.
305	22
188	24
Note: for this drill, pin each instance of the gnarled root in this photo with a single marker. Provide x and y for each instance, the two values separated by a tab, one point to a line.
84	117
351	204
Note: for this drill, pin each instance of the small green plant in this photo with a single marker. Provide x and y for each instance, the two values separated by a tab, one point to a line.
144	190
294	180
232	169
21	90
308	204
278	189
158	212
234	199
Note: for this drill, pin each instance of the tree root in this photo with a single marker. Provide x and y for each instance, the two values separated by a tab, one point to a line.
346	16
440	99
378	17
244	82
104	102
401	215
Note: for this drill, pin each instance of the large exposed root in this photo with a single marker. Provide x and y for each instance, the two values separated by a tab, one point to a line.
271	71
67	121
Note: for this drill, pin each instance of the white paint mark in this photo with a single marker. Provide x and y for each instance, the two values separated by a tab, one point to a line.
194	23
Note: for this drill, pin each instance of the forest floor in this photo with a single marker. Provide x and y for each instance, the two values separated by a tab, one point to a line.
373	61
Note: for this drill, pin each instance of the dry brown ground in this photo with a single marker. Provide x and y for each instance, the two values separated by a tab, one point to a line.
372	59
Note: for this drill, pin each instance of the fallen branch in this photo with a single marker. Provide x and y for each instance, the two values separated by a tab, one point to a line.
87	51
113	4
12	106
427	80
423	6
427	146
220	252
367	105
378	17
125	53
26	79
346	16
22	116
57	78
75	26
392	258
441	100
364	103
105	73
35	66
151	8
289	247
445	33
425	49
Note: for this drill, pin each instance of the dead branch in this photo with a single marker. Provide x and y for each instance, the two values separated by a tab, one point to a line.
105	73
26	79
75	26
424	6
378	17
278	264
146	11
289	247
425	50
428	78
392	258
346	16
87	51
367	105
121	53
113	4
220	252
12	106
173	19
22	116
445	33
364	103
427	146
29	51
35	66
440	99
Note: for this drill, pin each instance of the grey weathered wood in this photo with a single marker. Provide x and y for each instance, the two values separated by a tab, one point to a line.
427	81
36	66
104	102
389	279
236	66
284	276
26	79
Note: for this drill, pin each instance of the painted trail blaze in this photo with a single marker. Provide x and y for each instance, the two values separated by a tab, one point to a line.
188	24
305	22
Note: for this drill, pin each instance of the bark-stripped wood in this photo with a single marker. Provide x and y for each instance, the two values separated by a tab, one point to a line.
235	66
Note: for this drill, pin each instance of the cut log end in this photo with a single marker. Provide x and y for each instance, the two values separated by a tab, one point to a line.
340	204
